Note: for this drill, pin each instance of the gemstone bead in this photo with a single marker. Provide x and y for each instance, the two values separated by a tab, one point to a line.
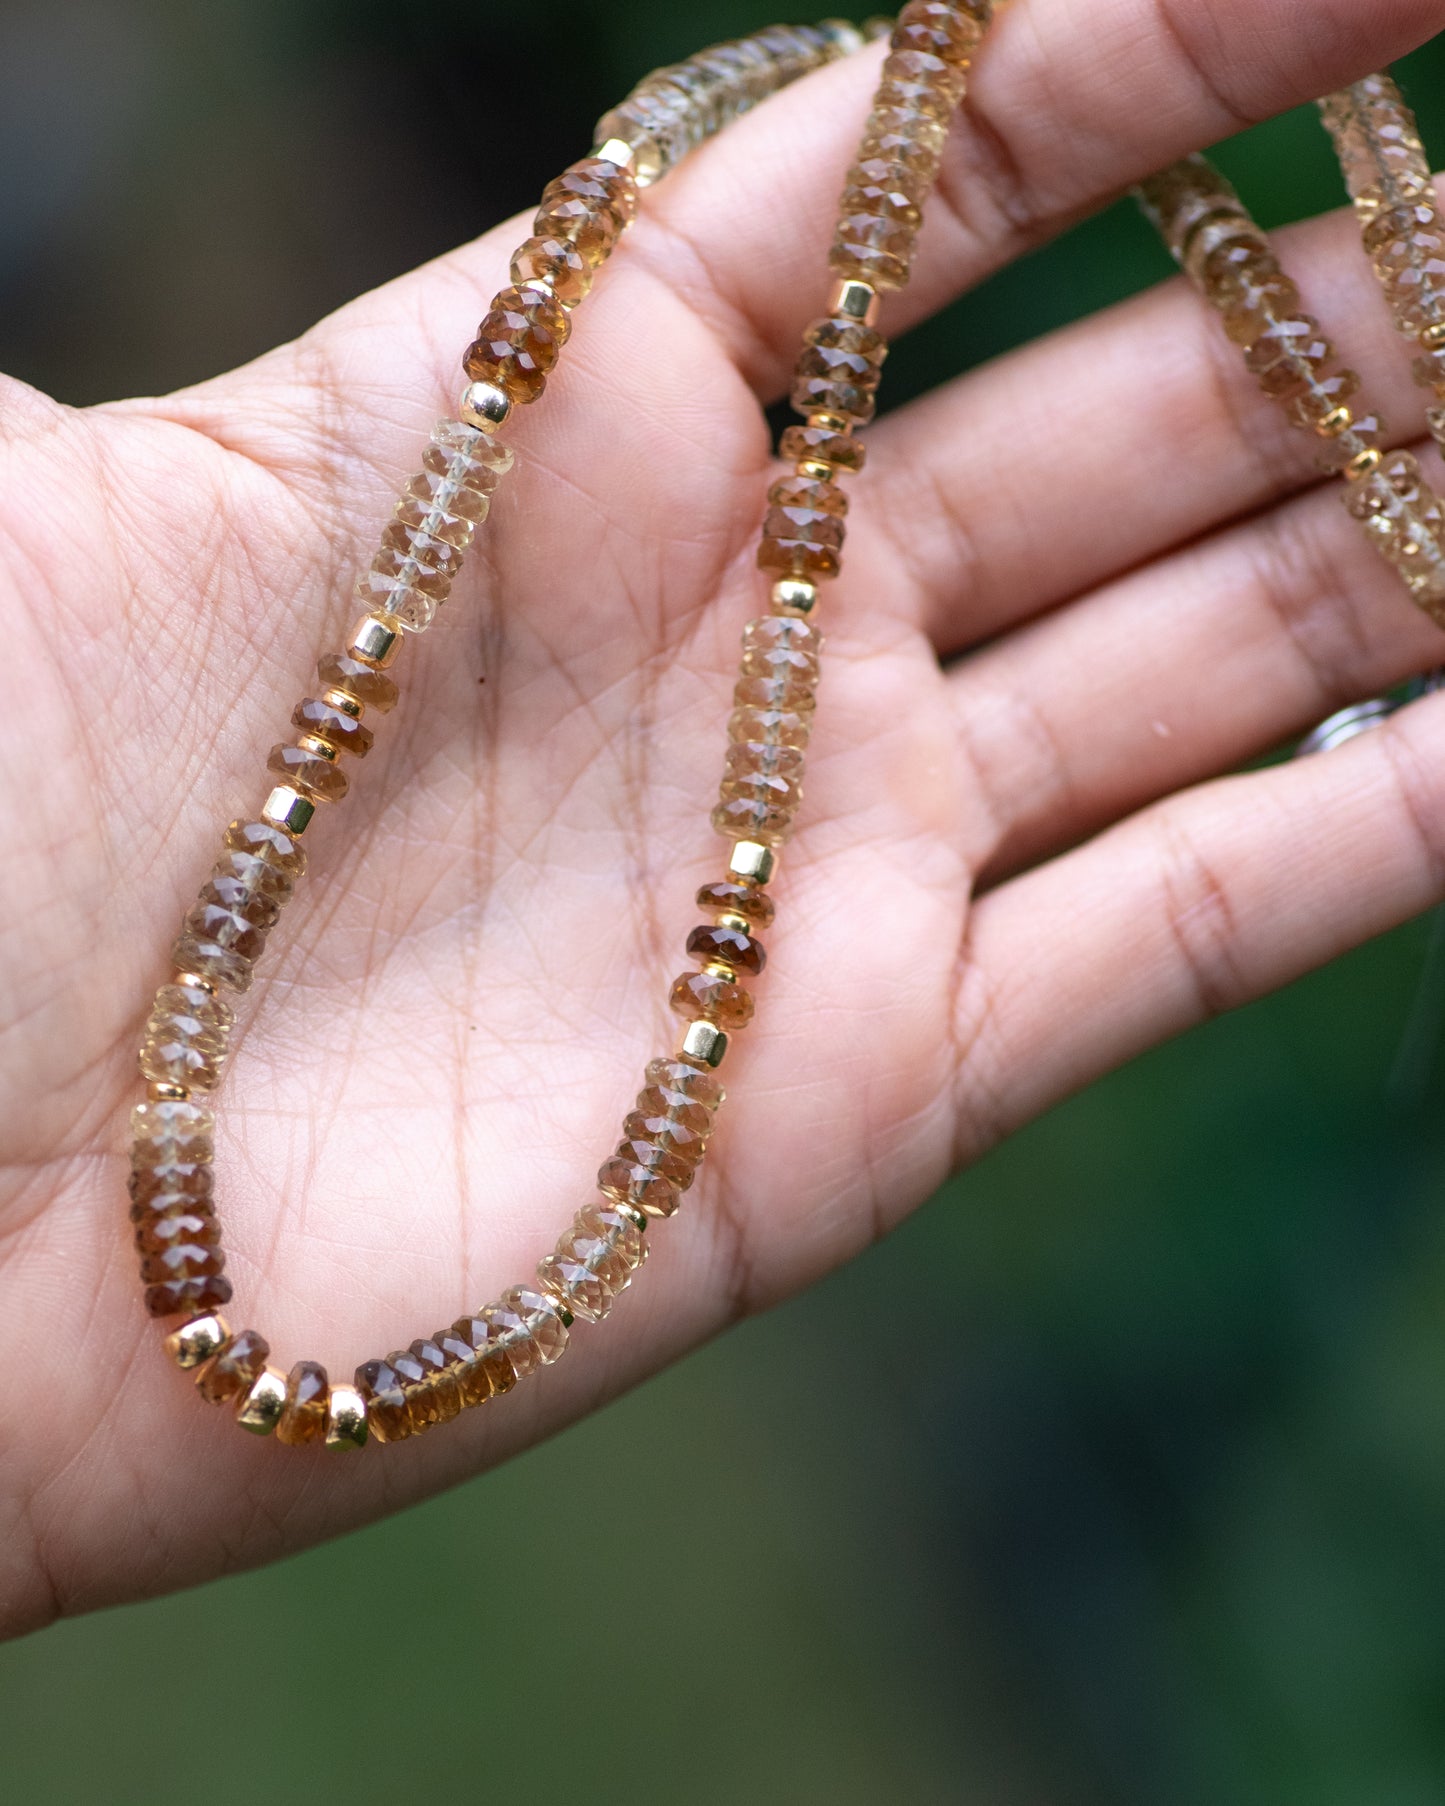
744	900
386	1405
235	1369
702	996
528	1329
839	369
304	1418
333	725
270	844
518	342
593	1262
312	775
179	1226
558	263
488	1372
185	1038
442	1383
371	688
729	946
822	445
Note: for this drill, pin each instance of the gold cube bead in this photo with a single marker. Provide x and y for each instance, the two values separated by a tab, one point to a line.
260	1409
616	150
485	406
854	300
346	1426
375	639
705	1044
287	808
195	1342
752	862
795	596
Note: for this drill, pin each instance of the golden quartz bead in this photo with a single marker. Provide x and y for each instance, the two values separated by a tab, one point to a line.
346	1425
198	1341
304	1418
261	1407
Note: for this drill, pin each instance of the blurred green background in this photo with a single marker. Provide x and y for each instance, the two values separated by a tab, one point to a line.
1117	1476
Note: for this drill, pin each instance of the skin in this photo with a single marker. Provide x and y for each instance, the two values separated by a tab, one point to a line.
1082	584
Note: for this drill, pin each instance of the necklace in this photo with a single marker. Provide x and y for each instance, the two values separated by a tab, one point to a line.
583	215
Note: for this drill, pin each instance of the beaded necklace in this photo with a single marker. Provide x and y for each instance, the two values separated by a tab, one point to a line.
583	215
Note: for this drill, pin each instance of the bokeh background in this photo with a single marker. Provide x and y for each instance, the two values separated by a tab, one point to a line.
1117	1476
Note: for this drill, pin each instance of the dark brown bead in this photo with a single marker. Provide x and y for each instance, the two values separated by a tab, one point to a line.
197	1228
178	1297
179	1182
234	1369
333	725
304	1418
730	946
488	1370
421	1406
518	342
182	1260
386	1407
745	900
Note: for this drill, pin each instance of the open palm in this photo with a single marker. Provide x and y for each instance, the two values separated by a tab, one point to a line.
1081	583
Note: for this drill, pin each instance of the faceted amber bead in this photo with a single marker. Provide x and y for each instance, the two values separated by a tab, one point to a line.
169	1184
682	1084
1319	399
185	1038
209	959
912	142
386	1404
920	82
700	996
760	793
683	1131
163	1131
558	263
745	900
773	644
518	342
232	911
729	946
273	844
869	249
1226	263
938	27
441	1379
593	1262
182	1260
881	198
1257	305
212	925
334	726
771	726
808	492
177	1296
645	1156
178	1227
488	1371
372	688
312	775
839	369
304	1419
429	552
816	444
253	877
801	541
413	1376
1288	355
235	1369
404	587
540	1336
638	1186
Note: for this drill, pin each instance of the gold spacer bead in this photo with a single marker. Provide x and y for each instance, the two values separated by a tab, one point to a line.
318	748
346	1425
817	470
752	862
718	968
855	300
375	639
342	703
194	978
616	150
1433	337
286	808
260	1410
485	406
704	1044
194	1343
638	1218
1337	421
795	595
558	1303
830	423
1364	464
726	919
162	1091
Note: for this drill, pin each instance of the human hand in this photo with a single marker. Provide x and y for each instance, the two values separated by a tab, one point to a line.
1081	583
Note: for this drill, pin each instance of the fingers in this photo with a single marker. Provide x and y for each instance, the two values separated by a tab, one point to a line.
1200	905
1091	451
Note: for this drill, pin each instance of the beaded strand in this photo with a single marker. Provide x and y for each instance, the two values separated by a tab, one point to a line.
1228	259
1388	177
583	214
